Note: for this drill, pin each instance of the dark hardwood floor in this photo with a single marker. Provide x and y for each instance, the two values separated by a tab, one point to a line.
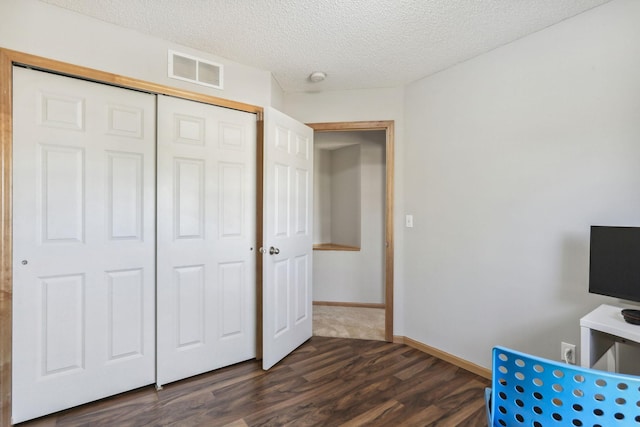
325	382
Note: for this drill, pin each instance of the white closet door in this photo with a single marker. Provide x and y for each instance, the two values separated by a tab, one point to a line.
83	242
206	238
288	240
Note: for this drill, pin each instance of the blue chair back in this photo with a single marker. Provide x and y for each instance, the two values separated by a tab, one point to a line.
535	392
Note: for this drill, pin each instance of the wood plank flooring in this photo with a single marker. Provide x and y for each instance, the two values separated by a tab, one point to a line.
325	382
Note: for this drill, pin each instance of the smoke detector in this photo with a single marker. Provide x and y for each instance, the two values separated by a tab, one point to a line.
317	76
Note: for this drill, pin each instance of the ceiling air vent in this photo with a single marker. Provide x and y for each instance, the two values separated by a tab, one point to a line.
195	70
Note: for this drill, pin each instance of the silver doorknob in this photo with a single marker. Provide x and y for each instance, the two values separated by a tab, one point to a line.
25	262
274	251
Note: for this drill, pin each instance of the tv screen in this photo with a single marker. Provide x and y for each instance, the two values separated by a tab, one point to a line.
614	262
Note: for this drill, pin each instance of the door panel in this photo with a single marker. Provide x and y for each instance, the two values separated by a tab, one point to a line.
287	298
62	180
190	285
125	313
125	190
206	238
63	313
83	242
189	198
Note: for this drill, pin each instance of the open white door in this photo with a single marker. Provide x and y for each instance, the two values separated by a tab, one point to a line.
288	240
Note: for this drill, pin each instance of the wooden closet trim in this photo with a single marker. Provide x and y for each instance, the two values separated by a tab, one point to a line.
388	127
9	58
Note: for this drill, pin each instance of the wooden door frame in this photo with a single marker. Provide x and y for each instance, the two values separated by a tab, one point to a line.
9	58
388	127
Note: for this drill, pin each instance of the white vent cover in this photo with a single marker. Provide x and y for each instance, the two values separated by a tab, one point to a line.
195	70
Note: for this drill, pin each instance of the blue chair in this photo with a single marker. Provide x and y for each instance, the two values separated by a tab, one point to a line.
535	392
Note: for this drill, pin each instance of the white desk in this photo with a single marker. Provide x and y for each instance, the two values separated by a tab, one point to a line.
600	330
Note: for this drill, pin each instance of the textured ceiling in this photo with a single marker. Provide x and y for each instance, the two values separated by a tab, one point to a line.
358	43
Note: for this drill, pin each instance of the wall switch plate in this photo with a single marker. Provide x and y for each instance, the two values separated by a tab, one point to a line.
409	221
568	353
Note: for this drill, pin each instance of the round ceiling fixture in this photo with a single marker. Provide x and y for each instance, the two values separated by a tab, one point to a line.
317	76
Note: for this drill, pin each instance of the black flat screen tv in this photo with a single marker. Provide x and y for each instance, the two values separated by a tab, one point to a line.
614	262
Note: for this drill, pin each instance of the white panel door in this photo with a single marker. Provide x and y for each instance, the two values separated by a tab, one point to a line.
206	238
83	242
288	241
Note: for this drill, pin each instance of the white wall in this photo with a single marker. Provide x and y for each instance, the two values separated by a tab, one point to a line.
355	276
277	95
364	105
41	29
509	158
346	198
321	196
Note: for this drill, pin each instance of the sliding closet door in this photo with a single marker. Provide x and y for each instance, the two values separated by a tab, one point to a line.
83	242
206	238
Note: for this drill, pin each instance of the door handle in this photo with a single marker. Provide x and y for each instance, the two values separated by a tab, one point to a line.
274	251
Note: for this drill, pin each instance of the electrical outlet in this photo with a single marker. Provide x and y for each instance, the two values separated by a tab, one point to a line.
568	353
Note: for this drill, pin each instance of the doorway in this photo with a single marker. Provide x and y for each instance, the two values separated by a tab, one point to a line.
387	129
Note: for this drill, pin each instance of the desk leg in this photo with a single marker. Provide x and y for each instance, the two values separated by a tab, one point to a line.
585	347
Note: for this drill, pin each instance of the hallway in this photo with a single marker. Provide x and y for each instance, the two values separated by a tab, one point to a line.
348	322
